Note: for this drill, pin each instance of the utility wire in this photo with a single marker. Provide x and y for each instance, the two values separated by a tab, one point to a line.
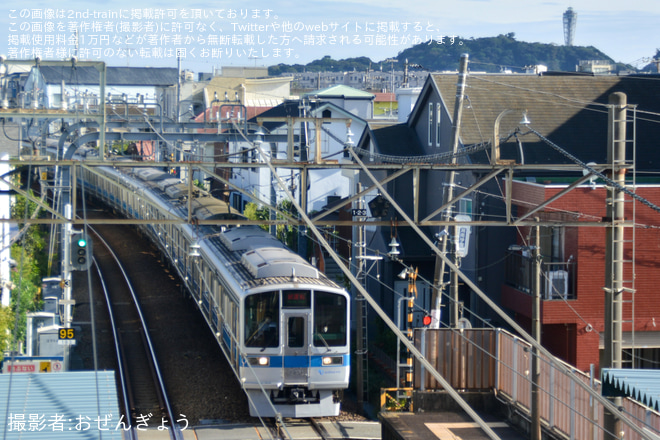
596	172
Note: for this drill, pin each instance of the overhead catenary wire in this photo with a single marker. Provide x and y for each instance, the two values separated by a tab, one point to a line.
609	181
603	401
372	302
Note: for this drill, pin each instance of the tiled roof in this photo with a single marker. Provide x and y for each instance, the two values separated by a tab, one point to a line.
568	109
385	97
292	108
118	76
287	108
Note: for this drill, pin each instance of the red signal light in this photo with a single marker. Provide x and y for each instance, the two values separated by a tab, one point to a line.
426	320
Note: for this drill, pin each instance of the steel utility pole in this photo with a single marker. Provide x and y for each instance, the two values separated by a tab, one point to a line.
438	278
360	305
536	334
614	247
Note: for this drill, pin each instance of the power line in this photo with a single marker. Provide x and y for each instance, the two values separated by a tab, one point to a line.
611	182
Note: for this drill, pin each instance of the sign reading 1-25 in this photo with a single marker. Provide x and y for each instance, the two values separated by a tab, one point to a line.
66	336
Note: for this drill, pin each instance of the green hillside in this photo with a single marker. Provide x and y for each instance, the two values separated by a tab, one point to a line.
492	53
489	54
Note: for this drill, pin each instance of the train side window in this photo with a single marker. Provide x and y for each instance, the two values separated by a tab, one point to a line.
218	293
262	311
329	320
234	321
227	310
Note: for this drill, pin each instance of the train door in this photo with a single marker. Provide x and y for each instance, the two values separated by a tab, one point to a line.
296	347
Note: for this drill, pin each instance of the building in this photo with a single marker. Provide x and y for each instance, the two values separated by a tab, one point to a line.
382	80
68	87
256	95
573	274
568	110
324	186
354	101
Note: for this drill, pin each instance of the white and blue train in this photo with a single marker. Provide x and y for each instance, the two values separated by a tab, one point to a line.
283	325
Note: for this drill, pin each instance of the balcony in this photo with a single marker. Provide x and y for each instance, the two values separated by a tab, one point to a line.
557	278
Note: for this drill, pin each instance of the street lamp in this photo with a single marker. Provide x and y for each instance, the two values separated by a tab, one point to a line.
495	148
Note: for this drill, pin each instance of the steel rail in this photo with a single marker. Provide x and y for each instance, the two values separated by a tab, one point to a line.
123	380
175	431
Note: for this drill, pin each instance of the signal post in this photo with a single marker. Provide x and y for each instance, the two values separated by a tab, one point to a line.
66	301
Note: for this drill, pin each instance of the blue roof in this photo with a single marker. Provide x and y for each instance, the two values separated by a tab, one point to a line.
68	405
641	385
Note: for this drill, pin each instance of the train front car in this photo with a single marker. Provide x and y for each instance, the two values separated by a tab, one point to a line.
295	337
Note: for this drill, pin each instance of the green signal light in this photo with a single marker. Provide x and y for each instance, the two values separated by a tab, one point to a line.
82	242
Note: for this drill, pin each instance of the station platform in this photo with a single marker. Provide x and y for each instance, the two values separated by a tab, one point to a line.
446	425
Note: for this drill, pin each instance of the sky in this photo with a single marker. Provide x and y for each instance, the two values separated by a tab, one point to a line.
212	34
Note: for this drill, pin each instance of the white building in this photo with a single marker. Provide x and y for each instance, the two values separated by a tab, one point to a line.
323	184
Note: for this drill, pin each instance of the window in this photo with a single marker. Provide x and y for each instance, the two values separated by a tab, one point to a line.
430	127
296	332
465	206
262	311
552	243
438	118
329	320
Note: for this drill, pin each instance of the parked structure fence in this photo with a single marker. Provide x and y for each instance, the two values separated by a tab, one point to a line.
496	360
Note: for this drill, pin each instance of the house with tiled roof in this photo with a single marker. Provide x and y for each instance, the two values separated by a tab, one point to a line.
571	112
80	85
256	95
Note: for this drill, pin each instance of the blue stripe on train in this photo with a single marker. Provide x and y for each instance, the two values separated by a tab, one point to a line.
301	361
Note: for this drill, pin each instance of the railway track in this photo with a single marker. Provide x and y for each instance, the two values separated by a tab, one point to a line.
198	379
199	382
323	429
144	398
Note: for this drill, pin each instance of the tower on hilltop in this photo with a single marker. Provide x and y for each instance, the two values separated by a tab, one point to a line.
570	20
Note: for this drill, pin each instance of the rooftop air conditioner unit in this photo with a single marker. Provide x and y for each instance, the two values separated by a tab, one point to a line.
556	285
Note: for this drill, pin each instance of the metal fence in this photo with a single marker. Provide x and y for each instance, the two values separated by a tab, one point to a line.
487	359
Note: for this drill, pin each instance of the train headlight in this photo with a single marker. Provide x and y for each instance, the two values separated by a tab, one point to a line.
259	361
332	360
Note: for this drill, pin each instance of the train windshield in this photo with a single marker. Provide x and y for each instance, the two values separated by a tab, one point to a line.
329	320
262	324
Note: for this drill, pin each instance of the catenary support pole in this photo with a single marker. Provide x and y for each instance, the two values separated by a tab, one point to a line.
536	334
614	243
438	278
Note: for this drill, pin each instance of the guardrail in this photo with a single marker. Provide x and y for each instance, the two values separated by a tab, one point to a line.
493	359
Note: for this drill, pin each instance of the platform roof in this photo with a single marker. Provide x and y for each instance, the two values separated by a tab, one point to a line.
639	384
65	405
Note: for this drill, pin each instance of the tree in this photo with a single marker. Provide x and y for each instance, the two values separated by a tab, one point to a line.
31	263
287	234
6	327
254	212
